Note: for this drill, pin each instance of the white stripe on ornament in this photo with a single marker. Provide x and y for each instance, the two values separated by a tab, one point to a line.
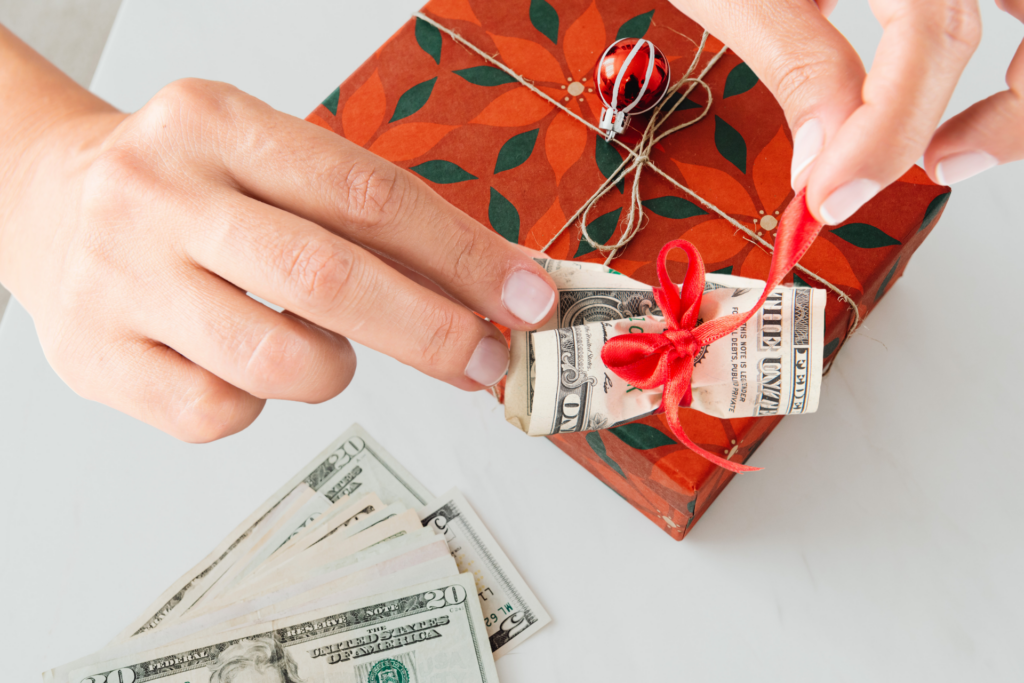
647	78
622	72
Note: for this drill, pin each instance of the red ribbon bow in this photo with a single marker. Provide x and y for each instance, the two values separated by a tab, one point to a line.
648	361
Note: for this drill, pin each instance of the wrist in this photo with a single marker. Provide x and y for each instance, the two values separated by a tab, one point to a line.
48	126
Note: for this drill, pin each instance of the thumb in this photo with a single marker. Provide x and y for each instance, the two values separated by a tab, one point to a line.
809	66
987	133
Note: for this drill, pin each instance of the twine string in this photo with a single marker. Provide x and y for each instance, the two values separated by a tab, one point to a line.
638	158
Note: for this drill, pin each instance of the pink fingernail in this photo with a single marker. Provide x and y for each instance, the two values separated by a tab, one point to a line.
527	296
962	166
488	362
807	144
846	199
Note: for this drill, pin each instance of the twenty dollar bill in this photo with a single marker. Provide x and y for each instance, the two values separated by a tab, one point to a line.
353	463
511	611
427	633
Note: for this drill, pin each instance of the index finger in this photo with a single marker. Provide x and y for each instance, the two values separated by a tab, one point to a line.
324	178
924	49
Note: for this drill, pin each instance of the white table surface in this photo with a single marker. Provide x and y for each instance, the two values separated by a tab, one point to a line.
881	542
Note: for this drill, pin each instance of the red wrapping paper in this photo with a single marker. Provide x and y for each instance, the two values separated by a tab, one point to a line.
521	166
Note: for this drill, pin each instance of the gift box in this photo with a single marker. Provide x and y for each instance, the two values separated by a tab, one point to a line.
441	99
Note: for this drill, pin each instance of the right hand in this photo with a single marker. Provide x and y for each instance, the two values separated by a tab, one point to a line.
133	240
857	132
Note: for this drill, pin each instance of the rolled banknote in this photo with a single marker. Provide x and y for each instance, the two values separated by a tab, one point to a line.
769	366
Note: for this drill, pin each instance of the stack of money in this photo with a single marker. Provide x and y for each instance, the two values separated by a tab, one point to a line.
557	382
352	571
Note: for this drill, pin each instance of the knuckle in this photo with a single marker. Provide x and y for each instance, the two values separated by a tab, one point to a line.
943	24
276	360
211	410
320	273
467	249
113	180
793	74
185	102
961	23
119	189
442	328
375	193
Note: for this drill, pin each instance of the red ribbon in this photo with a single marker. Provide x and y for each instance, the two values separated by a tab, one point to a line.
648	361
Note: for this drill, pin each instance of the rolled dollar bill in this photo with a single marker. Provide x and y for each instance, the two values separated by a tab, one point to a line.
558	383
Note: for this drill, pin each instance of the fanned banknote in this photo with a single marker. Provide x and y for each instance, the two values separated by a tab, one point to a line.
558	383
336	563
355	462
512	612
429	632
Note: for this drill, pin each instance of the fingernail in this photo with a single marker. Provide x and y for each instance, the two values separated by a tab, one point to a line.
527	297
962	166
488	363
807	144
846	199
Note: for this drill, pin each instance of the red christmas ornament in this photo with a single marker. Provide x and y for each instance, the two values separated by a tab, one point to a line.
631	77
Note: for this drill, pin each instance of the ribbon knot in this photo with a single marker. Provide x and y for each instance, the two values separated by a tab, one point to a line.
649	361
686	345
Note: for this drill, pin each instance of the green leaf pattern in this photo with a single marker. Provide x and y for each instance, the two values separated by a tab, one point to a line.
673	207
516	150
830	347
635	27
595	442
332	101
544	18
885	282
600	229
642	437
684	105
413	99
489	76
503	216
731	144
740	80
608	160
429	39
934	209
864	236
442	172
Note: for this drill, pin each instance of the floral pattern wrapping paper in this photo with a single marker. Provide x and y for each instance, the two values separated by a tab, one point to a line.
516	163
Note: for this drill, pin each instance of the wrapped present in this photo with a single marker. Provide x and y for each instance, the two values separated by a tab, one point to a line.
494	105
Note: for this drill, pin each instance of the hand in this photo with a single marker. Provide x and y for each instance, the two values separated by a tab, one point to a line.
855	133
133	240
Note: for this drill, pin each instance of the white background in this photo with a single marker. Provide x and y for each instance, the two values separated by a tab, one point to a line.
881	542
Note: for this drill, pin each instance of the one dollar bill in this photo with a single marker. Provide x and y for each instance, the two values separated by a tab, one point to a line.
769	366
